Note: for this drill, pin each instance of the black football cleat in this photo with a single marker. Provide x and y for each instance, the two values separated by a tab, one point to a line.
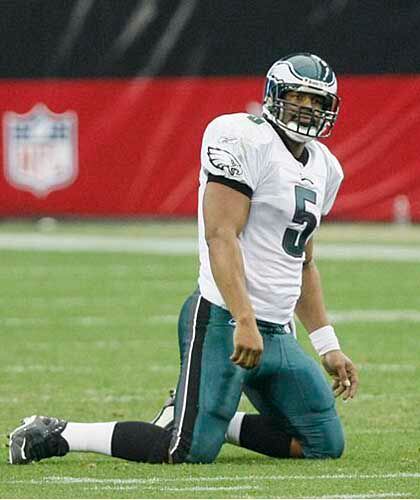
37	438
165	418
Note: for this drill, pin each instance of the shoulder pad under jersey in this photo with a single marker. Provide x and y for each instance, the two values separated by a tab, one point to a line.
246	127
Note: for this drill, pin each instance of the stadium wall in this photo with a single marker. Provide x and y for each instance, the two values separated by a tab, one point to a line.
103	103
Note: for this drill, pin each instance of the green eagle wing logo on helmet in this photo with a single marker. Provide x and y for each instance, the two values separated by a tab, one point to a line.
224	160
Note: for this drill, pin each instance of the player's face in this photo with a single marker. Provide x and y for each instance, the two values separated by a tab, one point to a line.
304	100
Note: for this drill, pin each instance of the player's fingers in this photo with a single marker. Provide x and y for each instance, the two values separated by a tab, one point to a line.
341	381
249	360
342	375
246	357
336	383
241	359
236	353
258	356
354	379
339	390
346	392
253	358
353	390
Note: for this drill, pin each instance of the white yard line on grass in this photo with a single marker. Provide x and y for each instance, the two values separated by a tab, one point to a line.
392	494
82	321
384	367
188	246
78	321
174	488
207	488
349	316
164	319
381	432
65	243
79	370
67	302
374	315
157	480
238	487
367	252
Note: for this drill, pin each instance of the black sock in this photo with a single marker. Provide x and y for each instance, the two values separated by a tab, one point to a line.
264	435
141	442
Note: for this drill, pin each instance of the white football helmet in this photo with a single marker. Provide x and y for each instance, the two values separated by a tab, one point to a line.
305	73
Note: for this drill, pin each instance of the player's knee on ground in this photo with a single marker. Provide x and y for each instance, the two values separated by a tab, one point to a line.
205	443
326	441
203	454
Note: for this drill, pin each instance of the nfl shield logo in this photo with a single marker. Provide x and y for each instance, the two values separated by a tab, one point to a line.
40	150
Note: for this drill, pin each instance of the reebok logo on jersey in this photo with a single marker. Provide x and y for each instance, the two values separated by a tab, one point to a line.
224	160
228	140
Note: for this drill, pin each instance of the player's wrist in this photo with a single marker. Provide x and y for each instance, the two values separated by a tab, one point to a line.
324	340
246	319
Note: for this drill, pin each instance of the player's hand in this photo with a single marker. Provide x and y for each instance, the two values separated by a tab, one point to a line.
248	345
344	373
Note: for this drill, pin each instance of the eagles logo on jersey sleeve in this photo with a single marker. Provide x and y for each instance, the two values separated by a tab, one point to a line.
232	151
225	161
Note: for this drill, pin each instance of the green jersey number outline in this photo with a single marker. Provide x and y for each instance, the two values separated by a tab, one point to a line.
294	241
256	119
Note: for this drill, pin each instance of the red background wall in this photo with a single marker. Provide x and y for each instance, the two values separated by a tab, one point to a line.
139	142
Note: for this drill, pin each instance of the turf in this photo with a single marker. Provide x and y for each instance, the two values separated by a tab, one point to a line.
92	337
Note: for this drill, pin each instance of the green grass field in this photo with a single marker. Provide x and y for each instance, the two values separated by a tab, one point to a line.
91	336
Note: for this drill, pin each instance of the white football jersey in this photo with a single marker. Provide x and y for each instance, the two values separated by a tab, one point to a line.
287	202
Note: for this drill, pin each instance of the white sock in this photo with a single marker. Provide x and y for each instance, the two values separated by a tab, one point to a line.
89	437
234	429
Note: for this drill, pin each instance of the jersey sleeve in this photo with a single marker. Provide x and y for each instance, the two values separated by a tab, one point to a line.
335	177
228	156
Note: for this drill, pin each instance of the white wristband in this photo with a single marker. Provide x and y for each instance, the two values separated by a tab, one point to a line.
324	340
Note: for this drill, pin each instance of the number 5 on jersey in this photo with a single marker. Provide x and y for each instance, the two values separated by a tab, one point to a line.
294	241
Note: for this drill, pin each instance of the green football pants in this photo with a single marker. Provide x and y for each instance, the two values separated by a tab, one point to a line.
287	384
